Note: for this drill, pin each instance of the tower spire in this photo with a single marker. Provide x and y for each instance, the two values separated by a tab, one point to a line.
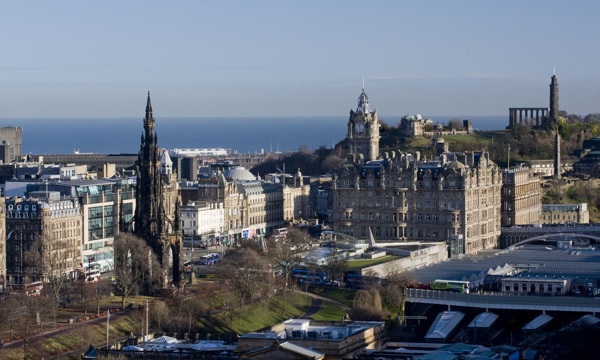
149	120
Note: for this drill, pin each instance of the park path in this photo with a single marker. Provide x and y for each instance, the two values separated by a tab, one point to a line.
317	302
65	328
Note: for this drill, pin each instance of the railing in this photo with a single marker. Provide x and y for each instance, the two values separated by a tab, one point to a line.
142	355
551	228
500	300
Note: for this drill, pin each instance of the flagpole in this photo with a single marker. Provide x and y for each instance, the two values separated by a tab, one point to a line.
107	328
147	309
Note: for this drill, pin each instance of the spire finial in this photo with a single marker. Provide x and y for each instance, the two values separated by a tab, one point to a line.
554	70
363	84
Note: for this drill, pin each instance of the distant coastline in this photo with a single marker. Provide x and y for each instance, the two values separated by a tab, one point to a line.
241	134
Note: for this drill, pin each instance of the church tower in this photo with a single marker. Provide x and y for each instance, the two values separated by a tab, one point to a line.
157	201
553	113
363	130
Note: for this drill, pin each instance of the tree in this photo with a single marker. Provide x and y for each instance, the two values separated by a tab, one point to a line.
336	264
160	313
21	313
51	263
190	310
283	251
246	274
136	265
367	305
455	124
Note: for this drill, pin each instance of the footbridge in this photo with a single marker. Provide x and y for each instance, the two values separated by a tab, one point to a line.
502	301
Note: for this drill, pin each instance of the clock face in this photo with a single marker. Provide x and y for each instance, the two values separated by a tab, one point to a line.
359	128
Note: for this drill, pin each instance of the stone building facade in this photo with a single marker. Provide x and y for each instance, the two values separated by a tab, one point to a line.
252	207
402	197
565	214
521	196
363	130
51	222
11	138
157	218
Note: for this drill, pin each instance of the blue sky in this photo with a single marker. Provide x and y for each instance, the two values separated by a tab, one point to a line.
302	58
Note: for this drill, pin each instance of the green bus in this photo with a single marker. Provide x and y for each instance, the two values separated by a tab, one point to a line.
451	285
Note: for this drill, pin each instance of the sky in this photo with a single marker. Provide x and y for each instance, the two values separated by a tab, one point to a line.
295	58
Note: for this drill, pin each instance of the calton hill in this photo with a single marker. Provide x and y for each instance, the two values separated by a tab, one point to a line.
520	144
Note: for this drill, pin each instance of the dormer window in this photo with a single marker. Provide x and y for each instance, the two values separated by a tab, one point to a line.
33	208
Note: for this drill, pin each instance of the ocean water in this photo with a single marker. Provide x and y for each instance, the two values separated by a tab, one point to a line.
244	135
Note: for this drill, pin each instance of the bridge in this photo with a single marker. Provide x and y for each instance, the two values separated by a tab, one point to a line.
502	301
520	235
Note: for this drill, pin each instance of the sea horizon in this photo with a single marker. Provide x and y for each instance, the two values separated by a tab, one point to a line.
251	134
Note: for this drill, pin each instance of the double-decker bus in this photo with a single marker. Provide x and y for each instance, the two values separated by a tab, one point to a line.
210	259
451	285
304	276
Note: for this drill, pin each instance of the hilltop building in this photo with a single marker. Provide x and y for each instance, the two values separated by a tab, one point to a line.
537	116
412	126
157	218
589	159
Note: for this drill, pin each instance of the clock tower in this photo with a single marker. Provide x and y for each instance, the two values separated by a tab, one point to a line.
363	130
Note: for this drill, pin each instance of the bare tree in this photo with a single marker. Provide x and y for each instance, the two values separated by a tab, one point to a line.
337	263
51	262
136	265
455	124
160	313
246	274
22	313
191	309
284	253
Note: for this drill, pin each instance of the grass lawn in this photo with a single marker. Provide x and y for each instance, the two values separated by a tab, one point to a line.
253	317
345	296
329	312
361	263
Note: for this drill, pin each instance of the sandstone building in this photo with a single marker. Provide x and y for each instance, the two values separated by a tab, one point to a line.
404	197
47	222
521	196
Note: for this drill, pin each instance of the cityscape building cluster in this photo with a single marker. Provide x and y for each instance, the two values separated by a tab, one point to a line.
462	199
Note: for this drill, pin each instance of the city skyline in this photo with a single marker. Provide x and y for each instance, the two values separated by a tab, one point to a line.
73	59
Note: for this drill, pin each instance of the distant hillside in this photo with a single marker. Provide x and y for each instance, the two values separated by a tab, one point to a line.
526	143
